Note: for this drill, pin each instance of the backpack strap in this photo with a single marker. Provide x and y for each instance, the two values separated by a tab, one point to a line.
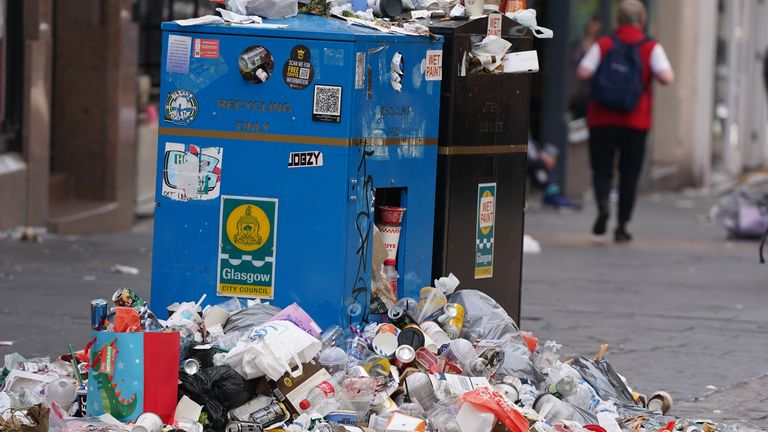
616	41
642	41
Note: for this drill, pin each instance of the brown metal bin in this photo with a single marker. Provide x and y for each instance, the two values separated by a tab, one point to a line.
483	140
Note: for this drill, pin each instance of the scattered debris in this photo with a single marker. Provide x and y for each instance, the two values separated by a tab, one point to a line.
124	269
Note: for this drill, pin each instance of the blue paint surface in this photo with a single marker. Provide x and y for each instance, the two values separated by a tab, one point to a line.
323	254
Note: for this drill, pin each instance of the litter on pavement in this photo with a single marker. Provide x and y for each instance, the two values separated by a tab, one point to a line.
449	361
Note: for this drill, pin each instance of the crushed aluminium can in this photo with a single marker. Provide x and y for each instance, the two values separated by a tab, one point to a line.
399	316
127	298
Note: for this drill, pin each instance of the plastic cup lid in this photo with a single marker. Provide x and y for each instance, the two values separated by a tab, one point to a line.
411	336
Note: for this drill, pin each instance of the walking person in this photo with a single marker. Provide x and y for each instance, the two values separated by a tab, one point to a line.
622	67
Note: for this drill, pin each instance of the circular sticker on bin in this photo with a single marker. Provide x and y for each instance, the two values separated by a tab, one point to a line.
256	64
297	70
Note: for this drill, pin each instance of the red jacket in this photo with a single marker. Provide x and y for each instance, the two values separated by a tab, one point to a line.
642	117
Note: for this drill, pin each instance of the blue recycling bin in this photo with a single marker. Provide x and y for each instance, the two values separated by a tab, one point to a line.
275	142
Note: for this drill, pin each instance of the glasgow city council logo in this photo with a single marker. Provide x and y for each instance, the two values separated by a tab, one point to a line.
180	107
248	227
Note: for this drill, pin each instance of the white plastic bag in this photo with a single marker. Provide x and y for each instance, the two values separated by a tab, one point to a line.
272	349
271	9
527	18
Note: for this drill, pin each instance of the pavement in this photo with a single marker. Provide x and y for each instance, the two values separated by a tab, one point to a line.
682	308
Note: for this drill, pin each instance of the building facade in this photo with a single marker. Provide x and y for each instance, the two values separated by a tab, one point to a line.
710	126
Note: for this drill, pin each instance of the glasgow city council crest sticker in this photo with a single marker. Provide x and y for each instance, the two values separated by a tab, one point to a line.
180	107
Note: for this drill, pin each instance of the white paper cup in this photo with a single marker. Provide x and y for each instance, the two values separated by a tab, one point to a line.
148	422
385	344
390	235
474	7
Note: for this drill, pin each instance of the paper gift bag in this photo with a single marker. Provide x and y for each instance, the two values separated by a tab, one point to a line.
133	373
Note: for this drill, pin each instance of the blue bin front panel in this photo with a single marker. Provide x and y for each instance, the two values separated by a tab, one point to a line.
257	127
398	150
252	130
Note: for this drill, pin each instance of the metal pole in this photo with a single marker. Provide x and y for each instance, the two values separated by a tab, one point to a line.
555	99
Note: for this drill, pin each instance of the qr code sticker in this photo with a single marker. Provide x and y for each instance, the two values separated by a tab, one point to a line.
327	103
304	73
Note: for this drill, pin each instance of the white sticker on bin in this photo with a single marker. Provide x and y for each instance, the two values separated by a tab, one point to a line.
434	65
177	54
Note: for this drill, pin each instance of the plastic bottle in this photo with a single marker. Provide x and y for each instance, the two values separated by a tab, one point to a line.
563	388
552	408
584	397
389	274
322	398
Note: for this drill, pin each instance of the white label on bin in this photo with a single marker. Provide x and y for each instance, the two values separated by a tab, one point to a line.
434	67
177	54
305	159
494	24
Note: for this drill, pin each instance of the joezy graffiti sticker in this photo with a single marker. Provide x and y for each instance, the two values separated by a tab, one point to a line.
486	223
298	71
247	247
180	107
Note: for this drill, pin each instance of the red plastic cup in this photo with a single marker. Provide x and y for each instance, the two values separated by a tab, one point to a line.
391	215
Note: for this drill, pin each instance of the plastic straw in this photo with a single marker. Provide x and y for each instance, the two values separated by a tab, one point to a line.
358	333
199	302
74	365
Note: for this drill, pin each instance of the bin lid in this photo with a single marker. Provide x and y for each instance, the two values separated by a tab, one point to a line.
475	26
301	26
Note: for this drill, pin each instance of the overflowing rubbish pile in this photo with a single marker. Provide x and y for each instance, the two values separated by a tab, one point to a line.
450	361
390	16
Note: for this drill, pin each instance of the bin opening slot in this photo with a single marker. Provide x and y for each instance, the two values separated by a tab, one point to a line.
390	218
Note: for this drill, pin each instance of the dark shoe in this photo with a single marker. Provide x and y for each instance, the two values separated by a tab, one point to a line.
559	201
600	225
621	235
